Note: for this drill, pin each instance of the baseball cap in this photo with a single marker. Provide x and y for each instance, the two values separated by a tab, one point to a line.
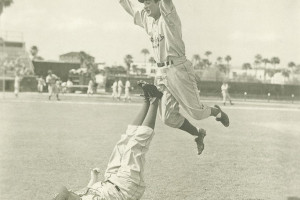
141	1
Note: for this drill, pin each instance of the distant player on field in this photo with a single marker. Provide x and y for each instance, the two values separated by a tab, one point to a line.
120	89
41	84
127	91
114	88
17	84
225	93
175	76
52	88
124	175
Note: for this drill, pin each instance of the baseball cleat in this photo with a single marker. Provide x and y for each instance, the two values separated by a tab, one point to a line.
199	140
224	117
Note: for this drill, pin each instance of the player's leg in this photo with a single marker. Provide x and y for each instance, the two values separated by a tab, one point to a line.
133	161
229	98
224	98
50	91
115	158
169	112
183	86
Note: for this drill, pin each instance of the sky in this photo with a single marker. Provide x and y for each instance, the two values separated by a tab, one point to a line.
239	28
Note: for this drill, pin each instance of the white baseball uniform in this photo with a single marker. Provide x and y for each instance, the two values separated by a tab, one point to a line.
225	93
127	90
120	88
90	87
125	168
17	85
41	84
51	81
114	89
177	81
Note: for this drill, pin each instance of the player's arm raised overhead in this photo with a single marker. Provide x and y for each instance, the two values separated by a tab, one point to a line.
137	14
166	7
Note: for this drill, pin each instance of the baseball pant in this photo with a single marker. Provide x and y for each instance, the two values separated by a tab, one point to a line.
226	96
179	86
126	164
127	94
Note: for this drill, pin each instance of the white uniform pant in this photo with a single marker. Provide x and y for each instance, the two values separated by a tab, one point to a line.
226	96
114	93
120	90
52	89
127	93
179	86
126	165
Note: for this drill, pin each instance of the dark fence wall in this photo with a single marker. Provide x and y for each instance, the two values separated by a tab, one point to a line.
58	68
237	89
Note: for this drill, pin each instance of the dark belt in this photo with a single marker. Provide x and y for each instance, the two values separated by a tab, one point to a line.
165	63
113	185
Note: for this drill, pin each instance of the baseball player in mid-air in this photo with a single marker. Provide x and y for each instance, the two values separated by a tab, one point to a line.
175	75
124	176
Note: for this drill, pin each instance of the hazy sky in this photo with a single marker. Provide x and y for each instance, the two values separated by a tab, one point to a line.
239	28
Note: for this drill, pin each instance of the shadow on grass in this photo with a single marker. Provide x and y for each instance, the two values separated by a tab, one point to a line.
293	198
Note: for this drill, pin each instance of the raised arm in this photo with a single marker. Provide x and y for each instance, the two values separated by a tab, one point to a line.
166	6
131	8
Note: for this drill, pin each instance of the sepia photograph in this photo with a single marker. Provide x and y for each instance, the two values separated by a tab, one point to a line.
150	99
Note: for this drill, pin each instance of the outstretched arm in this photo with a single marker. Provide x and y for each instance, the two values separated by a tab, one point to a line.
131	8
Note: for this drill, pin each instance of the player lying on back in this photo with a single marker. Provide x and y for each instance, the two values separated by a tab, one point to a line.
124	176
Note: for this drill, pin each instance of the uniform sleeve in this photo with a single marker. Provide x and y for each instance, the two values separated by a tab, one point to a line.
166	7
138	15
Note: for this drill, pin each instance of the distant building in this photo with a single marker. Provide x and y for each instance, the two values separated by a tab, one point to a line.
74	57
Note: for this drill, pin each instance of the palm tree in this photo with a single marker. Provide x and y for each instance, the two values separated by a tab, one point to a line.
128	60
265	61
207	54
219	60
274	61
246	66
228	59
151	60
291	65
4	3
258	59
145	52
196	59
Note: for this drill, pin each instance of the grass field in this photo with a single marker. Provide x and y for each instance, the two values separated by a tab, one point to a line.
45	144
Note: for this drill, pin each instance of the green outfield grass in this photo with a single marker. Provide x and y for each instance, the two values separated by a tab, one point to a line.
44	145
